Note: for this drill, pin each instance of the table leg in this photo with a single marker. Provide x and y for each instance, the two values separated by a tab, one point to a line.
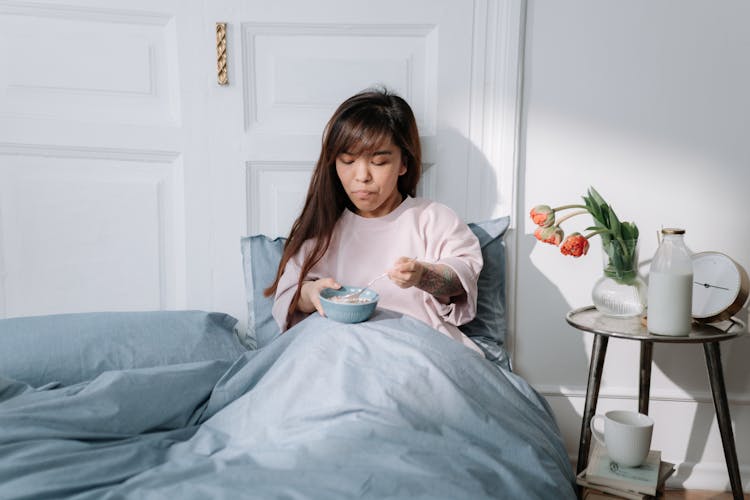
598	351
721	405
644	379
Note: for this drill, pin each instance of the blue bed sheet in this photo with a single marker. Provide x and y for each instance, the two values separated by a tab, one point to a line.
389	408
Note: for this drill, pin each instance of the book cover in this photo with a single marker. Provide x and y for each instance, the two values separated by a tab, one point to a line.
589	494
643	479
595	491
591	490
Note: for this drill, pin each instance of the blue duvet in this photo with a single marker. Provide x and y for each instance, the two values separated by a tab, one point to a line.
389	408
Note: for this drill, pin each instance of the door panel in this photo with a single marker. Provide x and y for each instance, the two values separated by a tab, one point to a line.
92	148
87	234
88	64
290	67
296	74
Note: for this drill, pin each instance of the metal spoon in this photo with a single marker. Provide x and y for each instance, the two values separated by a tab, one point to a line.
356	294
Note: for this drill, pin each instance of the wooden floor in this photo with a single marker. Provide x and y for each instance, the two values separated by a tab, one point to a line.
697	495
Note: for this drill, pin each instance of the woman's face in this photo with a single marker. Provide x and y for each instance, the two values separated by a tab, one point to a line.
370	179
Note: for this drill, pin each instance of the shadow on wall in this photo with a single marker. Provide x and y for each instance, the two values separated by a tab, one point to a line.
459	175
685	366
546	351
690	134
680	363
563	351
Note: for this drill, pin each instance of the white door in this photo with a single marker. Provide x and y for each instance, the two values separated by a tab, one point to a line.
290	63
96	149
128	175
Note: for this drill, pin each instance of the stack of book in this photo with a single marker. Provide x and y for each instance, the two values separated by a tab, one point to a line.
604	479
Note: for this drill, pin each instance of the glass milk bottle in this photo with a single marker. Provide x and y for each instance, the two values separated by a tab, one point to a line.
670	286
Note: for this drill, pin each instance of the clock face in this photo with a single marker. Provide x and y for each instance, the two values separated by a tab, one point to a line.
716	284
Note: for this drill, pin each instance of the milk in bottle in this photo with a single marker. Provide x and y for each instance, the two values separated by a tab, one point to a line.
670	286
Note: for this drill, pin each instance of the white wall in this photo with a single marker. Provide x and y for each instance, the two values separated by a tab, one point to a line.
649	102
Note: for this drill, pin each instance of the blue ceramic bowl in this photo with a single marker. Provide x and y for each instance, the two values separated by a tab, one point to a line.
345	312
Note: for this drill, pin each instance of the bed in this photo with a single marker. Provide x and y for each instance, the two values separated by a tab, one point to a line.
191	404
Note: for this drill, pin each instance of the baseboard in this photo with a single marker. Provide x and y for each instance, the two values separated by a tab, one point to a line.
702	397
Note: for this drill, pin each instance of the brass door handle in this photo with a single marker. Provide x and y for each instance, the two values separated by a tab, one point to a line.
221	54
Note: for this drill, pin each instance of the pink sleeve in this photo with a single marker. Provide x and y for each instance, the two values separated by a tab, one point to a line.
284	294
457	247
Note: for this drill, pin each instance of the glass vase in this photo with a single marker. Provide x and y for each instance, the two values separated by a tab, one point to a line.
620	292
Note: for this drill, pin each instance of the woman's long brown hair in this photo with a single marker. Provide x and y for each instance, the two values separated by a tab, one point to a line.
360	124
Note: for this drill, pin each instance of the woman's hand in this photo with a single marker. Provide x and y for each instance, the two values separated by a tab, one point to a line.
309	297
436	279
406	272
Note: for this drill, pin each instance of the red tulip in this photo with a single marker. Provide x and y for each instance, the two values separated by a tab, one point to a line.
552	235
543	215
576	245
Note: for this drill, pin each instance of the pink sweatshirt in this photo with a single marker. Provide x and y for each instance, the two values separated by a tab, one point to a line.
362	248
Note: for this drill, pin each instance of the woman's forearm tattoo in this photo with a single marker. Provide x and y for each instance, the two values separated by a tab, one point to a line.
440	280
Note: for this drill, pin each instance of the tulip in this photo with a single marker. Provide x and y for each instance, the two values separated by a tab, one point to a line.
543	215
606	224
552	235
576	245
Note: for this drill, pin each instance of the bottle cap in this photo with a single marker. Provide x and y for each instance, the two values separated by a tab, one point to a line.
672	230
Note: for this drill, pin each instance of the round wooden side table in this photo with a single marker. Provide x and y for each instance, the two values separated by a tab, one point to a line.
603	327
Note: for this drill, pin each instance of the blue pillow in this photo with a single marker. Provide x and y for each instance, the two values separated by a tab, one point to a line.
72	348
489	327
261	256
260	260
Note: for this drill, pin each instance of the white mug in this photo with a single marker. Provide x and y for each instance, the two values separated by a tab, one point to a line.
627	436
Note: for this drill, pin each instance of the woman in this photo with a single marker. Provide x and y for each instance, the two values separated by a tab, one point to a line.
361	218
